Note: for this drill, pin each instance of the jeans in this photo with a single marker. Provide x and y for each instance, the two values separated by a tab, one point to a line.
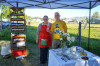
43	55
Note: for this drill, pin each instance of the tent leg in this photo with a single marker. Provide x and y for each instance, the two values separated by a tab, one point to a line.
17	8
79	40
89	26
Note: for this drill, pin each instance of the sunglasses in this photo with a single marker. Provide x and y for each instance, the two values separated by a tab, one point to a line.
45	19
57	15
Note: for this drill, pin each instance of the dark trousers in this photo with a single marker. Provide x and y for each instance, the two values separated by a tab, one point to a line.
43	54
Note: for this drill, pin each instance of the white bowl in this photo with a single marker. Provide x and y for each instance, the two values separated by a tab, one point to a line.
59	53
68	51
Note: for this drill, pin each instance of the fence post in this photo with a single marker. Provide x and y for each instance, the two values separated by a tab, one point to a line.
79	36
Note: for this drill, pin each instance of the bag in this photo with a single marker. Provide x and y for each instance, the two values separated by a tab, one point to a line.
5	49
43	42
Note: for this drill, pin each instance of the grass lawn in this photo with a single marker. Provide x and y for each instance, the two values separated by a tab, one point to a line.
33	51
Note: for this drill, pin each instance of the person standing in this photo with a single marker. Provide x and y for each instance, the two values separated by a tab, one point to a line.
44	39
56	27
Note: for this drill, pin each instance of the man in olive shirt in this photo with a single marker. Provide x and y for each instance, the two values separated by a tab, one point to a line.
56	27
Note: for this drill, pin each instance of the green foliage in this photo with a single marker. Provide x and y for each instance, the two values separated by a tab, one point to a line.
96	15
6	11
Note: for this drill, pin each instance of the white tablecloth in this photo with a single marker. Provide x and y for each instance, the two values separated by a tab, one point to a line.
55	60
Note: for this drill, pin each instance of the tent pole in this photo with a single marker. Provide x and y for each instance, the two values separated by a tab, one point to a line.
17	8
79	36
89	26
1	21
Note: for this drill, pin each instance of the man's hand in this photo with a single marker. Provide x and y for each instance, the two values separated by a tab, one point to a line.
50	31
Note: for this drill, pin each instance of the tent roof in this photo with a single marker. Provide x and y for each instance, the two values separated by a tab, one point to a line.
52	4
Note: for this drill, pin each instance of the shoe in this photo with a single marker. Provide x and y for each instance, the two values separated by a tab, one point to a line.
46	61
41	64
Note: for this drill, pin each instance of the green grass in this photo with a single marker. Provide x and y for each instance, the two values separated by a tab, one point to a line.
94	36
33	51
31	34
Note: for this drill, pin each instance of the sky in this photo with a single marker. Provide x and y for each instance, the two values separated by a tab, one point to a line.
68	13
65	13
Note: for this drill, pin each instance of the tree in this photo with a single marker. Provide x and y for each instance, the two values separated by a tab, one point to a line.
6	11
95	15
